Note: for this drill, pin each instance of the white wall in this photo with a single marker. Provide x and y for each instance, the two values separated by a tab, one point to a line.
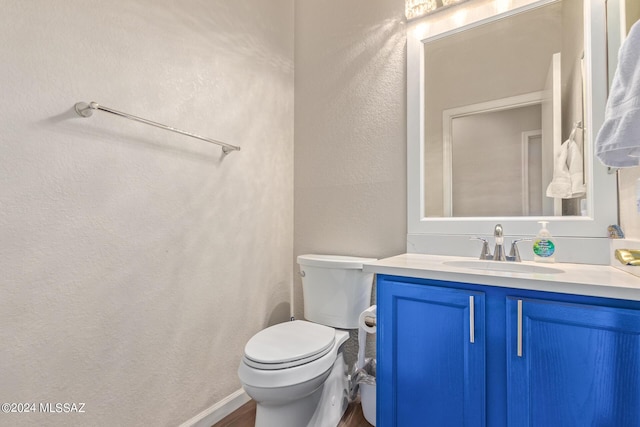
350	129
135	263
350	126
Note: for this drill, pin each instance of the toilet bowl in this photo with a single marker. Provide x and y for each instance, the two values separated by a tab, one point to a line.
296	371
289	388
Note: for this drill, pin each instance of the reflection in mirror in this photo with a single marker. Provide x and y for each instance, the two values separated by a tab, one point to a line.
582	84
500	98
494	179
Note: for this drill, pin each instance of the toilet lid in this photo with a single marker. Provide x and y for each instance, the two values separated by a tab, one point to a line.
289	344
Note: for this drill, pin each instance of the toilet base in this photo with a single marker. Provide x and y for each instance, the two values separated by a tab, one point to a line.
324	407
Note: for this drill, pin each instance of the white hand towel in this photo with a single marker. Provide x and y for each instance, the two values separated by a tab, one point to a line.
568	179
618	141
560	185
576	167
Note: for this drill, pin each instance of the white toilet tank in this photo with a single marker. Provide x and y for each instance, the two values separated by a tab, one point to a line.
335	290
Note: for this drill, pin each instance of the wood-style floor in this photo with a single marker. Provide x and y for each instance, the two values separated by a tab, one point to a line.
245	416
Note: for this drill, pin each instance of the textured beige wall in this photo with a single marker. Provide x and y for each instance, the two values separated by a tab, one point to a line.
350	129
632	10
135	263
350	166
629	215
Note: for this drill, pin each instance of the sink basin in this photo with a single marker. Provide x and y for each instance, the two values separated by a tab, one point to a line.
504	266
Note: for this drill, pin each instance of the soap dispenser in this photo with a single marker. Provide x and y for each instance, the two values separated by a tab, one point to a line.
543	245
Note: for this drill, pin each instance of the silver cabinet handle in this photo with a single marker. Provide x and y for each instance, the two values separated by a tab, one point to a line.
472	321
519	328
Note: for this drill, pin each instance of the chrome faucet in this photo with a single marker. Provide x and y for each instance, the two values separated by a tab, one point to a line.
514	254
498	251
484	253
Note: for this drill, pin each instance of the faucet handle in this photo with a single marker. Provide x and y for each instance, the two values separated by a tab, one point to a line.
514	254
484	253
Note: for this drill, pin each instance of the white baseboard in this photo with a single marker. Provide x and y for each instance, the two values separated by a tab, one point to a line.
217	412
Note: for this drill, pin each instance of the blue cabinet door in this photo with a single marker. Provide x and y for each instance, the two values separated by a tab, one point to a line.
572	365
431	356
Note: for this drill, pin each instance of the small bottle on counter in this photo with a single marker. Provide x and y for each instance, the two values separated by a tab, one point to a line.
543	246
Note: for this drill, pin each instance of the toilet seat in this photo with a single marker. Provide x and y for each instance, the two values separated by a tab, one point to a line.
289	344
275	378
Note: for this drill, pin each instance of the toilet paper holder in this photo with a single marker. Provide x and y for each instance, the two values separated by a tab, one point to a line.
370	321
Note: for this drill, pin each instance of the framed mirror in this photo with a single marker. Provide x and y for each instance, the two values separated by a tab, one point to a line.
494	88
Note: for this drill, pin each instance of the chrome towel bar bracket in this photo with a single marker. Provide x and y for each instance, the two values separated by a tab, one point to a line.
86	110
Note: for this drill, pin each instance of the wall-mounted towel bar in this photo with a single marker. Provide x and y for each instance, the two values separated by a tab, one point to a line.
86	110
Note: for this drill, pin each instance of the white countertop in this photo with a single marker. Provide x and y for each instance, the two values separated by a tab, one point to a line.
579	279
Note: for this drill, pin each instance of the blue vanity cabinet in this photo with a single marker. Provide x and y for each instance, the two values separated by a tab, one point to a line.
572	364
538	359
431	356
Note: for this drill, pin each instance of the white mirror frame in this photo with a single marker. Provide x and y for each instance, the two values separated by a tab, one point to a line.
601	185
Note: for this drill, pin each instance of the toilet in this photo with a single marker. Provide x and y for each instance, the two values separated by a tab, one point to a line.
295	371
